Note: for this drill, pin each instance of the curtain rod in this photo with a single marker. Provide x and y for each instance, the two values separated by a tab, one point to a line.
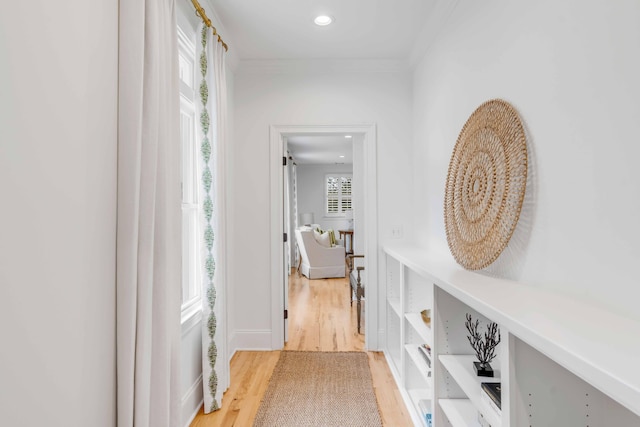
200	11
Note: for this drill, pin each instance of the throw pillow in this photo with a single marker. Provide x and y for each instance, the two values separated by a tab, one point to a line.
322	239
332	237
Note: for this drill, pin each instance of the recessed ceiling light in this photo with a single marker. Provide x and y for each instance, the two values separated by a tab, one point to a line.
323	20
342	157
348	136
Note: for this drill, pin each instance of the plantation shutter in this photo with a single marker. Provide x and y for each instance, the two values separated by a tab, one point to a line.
345	192
333	195
338	192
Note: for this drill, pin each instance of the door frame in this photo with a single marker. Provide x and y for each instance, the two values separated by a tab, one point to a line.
276	134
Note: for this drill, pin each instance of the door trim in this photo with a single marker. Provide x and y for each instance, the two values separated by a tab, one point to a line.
276	133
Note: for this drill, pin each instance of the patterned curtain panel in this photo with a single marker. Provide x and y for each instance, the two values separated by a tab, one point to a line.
212	113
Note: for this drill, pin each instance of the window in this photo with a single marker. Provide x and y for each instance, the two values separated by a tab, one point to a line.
338	192
190	251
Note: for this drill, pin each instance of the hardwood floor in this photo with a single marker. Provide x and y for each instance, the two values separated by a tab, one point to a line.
320	316
320	319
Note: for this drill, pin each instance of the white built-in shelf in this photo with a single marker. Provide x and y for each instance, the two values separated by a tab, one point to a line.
416	395
460	412
415	319
596	344
460	367
419	394
395	364
395	305
405	333
419	361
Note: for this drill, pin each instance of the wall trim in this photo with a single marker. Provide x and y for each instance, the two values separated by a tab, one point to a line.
188	397
438	18
249	340
191	321
314	66
195	413
370	188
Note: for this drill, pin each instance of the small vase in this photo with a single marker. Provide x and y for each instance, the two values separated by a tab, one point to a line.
483	369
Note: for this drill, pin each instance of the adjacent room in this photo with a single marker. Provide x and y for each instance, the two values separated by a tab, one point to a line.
323	187
327	213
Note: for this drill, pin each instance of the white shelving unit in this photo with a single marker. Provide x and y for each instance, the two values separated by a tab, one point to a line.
418	361
460	412
415	320
560	362
395	306
393	316
407	295
461	369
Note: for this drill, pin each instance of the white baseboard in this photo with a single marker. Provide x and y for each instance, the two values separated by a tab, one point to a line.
193	416
381	340
192	402
250	339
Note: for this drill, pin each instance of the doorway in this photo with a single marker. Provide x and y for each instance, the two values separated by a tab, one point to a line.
367	134
322	191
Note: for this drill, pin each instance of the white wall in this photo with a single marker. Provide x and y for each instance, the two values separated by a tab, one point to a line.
569	68
58	86
311	193
264	99
358	195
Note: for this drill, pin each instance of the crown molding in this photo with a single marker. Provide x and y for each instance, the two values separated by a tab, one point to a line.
438	18
299	66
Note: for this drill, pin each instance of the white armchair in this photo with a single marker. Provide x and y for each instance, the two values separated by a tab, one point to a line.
317	261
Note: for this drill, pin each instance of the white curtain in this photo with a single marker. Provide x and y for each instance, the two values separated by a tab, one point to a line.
213	115
295	208
287	219
149	220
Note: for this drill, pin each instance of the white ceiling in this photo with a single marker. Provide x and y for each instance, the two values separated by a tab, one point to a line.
284	29
376	30
320	149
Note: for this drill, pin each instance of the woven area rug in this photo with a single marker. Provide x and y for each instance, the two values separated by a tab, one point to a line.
310	388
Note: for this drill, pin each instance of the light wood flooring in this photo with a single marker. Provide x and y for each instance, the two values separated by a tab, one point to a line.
320	319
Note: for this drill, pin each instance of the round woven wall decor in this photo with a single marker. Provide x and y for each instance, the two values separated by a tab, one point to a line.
485	184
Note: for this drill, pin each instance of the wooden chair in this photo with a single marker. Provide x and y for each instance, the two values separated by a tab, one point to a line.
356	287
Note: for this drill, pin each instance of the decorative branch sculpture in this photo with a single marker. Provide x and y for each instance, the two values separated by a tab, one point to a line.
485	348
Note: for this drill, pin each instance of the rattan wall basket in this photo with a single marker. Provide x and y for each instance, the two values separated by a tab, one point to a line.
485	185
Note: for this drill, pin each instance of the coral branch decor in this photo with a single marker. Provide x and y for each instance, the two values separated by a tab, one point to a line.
485	347
485	185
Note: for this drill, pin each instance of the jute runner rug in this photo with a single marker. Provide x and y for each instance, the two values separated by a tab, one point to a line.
310	388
